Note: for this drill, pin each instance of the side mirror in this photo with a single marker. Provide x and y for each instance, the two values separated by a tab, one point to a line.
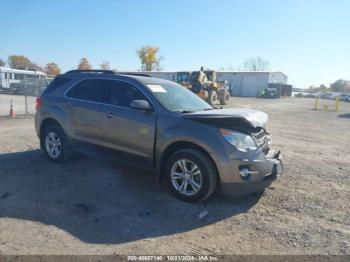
140	105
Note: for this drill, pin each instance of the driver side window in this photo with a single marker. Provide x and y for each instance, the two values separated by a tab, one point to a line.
122	93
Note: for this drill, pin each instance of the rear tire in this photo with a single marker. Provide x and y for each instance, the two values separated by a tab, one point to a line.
224	97
191	175
55	144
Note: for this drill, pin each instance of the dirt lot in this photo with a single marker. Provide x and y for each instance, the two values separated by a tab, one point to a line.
94	206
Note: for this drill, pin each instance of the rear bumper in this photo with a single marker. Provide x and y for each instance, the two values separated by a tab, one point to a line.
265	172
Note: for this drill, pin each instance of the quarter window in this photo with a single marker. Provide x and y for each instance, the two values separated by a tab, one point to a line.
57	82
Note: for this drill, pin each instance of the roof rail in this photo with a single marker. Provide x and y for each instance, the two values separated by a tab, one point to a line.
95	71
133	74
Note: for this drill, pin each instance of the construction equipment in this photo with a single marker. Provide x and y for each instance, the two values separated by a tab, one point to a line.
269	92
204	84
220	87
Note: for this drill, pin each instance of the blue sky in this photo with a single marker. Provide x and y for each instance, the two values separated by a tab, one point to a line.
309	40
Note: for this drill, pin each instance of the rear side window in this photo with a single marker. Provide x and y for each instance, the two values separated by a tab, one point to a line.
57	82
95	90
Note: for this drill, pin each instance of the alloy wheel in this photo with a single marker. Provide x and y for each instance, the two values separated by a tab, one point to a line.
53	145
186	177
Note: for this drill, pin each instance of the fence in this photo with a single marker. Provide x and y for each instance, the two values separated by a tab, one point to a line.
21	95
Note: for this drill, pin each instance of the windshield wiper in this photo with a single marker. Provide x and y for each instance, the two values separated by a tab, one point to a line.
191	111
184	111
187	111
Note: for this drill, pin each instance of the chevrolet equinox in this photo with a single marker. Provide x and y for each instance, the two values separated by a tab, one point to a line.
160	125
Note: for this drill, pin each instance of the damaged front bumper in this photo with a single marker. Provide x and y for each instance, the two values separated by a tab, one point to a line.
252	174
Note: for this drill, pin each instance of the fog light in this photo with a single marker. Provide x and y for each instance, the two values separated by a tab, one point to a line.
245	172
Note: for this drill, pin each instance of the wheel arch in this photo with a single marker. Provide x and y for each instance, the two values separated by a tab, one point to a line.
180	145
44	124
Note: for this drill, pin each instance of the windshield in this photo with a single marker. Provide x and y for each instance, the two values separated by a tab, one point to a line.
177	98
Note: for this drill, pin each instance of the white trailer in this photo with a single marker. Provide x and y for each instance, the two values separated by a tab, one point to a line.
12	80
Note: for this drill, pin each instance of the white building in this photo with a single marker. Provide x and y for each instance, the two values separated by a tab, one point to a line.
240	83
250	83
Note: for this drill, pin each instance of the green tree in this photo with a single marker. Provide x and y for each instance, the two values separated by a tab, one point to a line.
323	88
84	64
19	62
341	86
22	62
52	69
149	59
2	62
256	64
36	67
105	65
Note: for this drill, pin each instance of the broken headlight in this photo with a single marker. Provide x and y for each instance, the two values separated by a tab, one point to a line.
239	140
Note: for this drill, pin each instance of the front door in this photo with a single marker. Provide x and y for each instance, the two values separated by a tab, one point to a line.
128	130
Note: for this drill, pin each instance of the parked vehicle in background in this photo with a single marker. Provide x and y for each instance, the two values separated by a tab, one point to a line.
269	93
344	97
309	95
160	125
326	95
330	95
298	95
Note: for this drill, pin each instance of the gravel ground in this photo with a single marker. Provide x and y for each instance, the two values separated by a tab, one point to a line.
95	206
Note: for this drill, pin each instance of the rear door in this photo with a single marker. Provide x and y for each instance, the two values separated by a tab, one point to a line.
128	130
86	107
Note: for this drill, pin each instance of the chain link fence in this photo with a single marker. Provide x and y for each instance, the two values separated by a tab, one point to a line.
21	95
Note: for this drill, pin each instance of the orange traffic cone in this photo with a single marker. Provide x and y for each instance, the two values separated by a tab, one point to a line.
12	111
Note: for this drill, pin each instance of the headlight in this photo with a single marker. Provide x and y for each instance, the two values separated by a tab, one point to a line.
239	140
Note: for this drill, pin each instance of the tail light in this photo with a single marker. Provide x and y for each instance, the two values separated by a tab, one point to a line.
38	103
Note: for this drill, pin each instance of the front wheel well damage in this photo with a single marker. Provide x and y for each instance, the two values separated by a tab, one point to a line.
171	149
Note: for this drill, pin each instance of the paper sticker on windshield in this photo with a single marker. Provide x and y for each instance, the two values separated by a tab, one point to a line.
157	88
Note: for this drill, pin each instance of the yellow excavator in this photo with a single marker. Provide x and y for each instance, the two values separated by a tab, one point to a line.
204	84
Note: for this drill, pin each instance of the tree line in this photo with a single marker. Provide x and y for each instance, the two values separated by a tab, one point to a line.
151	61
339	86
148	56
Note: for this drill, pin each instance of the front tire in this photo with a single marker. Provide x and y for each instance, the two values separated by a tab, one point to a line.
55	144
191	175
212	97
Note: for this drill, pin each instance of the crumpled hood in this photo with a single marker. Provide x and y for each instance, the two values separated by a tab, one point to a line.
255	118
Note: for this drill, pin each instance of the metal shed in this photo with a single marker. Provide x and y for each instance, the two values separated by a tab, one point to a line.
250	83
